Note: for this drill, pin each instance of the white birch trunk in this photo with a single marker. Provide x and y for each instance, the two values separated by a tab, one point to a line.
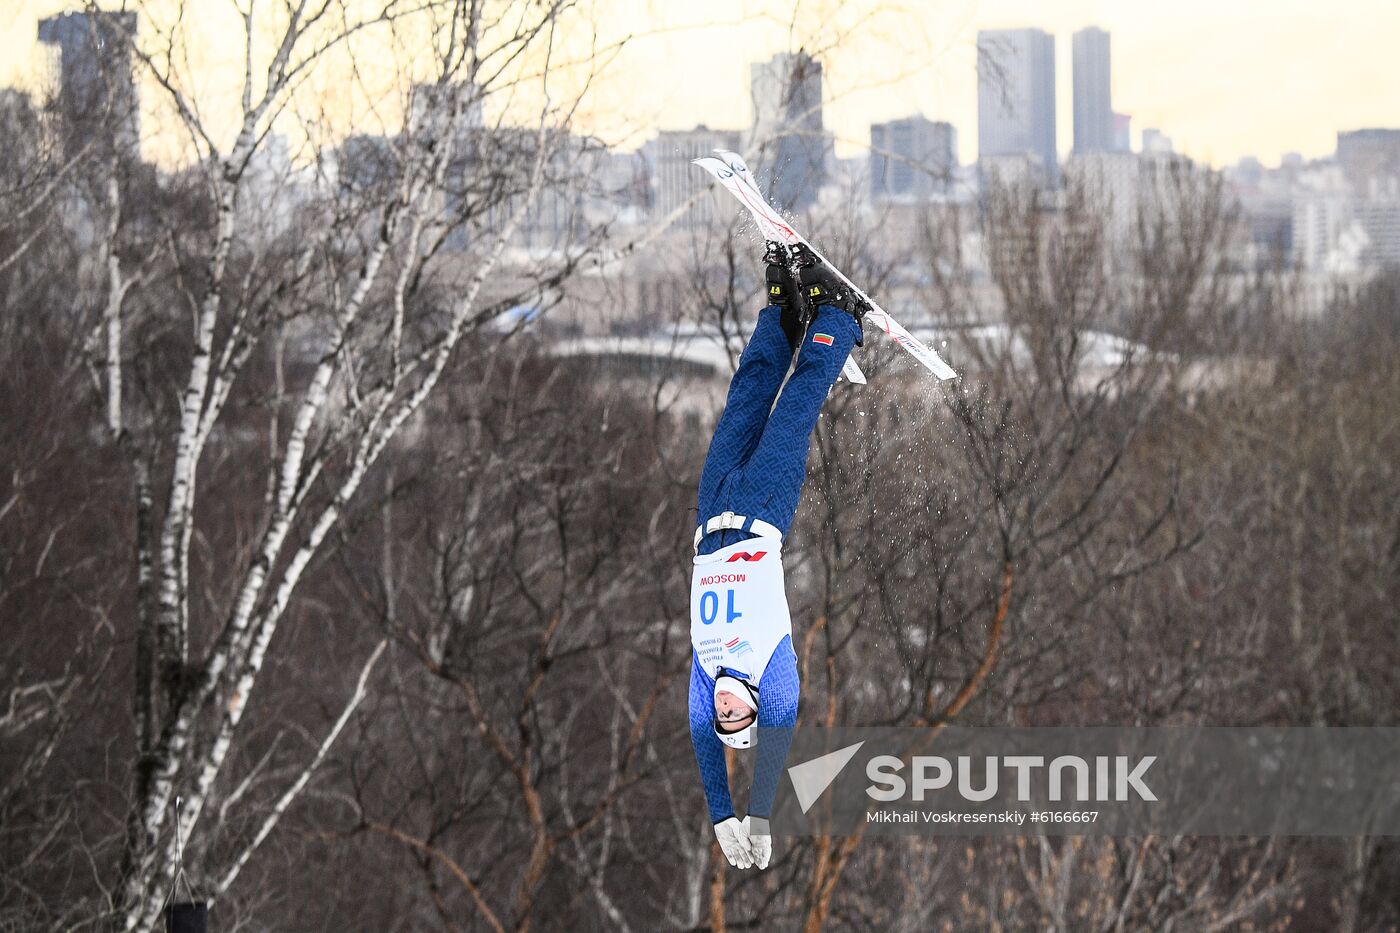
179	753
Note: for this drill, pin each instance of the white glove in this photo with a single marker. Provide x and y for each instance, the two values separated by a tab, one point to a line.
734	841
760	842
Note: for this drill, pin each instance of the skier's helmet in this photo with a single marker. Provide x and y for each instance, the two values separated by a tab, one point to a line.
738	728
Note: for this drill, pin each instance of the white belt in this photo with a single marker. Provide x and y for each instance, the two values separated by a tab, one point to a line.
728	520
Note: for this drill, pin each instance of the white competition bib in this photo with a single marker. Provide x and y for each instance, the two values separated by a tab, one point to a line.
738	608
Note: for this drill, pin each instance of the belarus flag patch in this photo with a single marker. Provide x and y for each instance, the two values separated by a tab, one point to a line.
823	338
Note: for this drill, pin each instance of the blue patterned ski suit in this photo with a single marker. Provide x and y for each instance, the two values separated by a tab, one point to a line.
756	465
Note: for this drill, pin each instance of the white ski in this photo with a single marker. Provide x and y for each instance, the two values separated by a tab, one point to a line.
733	173
778	231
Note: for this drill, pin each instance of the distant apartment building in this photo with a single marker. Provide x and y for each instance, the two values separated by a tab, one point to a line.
1009	172
1110	185
1155	142
96	92
558	216
1016	100
787	132
1268	218
674	181
1346	210
1325	238
1093	98
431	103
1122	189
1370	159
1247	172
1122	132
911	159
1110	179
1326	235
624	182
1379	217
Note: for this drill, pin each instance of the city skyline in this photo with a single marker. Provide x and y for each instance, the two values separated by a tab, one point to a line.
1297	77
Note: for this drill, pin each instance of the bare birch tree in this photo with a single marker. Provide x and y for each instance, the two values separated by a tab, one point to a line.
321	340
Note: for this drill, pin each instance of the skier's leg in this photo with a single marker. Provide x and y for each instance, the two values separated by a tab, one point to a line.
751	392
773	476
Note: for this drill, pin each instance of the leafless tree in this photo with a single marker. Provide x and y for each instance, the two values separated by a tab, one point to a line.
309	349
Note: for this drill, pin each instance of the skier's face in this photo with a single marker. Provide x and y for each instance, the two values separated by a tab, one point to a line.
733	713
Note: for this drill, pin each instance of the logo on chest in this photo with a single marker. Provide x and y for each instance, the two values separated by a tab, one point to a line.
739	648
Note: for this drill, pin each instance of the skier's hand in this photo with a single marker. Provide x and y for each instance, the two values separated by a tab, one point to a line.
760	842
734	841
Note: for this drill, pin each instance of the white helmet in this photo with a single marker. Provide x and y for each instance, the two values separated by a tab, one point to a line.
727	681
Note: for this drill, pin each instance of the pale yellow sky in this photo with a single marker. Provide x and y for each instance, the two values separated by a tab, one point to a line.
1223	78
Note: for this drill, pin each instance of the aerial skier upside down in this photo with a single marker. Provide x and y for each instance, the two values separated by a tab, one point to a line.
743	673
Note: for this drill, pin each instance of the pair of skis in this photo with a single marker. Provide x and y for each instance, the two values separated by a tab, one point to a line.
732	171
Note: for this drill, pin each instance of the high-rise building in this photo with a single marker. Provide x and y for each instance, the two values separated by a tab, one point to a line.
1370	159
1093	103
674	180
912	158
787	128
1016	97
97	92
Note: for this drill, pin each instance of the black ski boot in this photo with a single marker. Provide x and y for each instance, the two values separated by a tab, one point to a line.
782	291
819	285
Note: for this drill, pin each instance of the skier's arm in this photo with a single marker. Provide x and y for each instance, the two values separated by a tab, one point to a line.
777	709
709	750
777	714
